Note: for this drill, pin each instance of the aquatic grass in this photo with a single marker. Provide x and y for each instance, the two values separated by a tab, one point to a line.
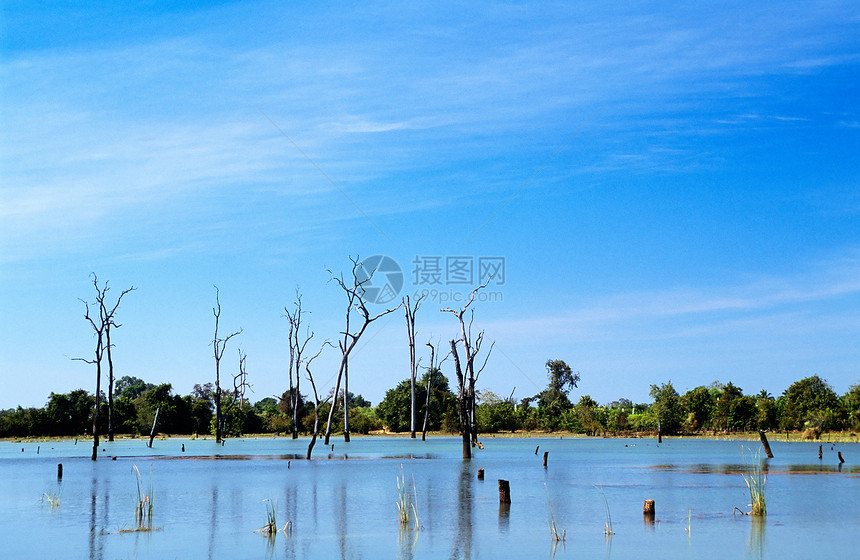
143	510
52	497
607	526
688	528
755	482
270	529
556	537
406	501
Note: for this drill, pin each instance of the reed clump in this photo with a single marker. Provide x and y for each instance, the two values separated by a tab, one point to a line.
143	510
755	481
52	497
406	502
553	529
270	529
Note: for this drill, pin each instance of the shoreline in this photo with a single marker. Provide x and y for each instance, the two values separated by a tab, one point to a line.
790	437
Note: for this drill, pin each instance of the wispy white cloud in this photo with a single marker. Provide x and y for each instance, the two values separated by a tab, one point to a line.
688	311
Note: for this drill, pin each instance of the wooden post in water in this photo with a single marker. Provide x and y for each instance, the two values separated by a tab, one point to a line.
504	491
154	422
545	455
819	452
648	511
480	474
765	443
536	449
659	432
841	459
59	471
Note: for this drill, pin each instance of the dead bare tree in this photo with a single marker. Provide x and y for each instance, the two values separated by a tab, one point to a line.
317	403
237	397
101	327
98	327
297	344
218	346
466	377
410	311
431	371
108	321
355	295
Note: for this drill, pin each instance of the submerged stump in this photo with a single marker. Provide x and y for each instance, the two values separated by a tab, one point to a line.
765	444
504	491
648	510
480	474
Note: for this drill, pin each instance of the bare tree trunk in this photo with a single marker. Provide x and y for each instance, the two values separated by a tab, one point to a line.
462	403
413	365
154	422
297	348
430	372
96	413
101	327
346	401
355	302
466	377
218	347
110	386
316	430
108	322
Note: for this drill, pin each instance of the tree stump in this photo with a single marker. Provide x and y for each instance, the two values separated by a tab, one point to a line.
648	510
545	455
480	474
504	491
819	452
841	459
765	444
59	471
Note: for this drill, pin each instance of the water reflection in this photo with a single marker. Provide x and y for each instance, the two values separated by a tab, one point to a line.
213	508
504	518
756	544
341	520
462	545
736	468
291	509
96	543
407	539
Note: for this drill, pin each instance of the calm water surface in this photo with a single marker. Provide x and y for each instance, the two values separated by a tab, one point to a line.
209	499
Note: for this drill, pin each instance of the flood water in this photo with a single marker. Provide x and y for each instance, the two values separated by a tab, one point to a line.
209	499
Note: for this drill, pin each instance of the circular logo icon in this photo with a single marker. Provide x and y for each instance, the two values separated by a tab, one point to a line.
381	278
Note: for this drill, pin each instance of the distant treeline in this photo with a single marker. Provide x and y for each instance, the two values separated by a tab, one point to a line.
809	405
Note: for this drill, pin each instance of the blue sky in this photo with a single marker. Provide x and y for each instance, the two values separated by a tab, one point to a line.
673	187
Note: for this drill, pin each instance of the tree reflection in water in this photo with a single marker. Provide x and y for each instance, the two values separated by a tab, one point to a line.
462	546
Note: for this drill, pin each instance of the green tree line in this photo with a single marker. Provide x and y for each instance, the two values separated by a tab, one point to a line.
809	405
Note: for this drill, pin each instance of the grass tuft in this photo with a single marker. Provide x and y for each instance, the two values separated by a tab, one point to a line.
143	510
270	529
406	502
553	530
755	481
52	497
607	526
